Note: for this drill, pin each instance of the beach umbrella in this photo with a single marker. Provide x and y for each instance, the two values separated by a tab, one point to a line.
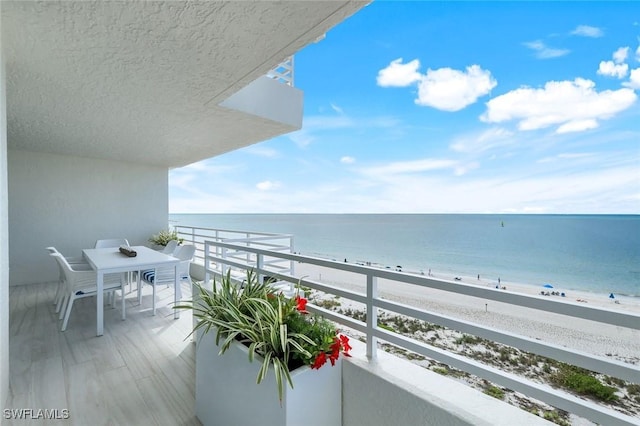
547	286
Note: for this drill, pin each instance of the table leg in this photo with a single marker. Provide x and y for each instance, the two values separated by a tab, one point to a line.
176	298
99	303
139	288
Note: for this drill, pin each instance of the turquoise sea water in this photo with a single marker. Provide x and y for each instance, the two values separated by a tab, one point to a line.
597	253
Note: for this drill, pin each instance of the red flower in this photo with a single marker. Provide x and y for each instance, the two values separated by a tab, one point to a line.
344	340
335	351
301	304
321	359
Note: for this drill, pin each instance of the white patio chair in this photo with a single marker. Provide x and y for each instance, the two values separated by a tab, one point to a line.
78	263
170	247
166	275
80	284
113	242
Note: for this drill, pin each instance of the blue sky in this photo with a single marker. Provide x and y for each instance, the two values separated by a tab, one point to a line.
449	107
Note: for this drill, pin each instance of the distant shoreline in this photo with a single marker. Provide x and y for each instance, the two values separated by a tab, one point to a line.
520	287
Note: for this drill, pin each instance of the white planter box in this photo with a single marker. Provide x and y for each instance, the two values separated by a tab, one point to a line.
227	393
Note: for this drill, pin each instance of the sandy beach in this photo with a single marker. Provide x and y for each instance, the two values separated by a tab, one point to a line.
619	343
587	336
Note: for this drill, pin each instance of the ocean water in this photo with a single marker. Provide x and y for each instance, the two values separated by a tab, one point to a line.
596	253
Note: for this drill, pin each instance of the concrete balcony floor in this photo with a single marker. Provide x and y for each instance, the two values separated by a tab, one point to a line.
141	372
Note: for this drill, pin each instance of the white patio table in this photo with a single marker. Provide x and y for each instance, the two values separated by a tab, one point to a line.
110	260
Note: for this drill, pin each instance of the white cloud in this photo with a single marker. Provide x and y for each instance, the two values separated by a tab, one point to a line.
267	185
567	156
545	52
616	68
578	126
397	74
347	160
404	167
491	138
610	69
452	90
638	54
571	105
336	108
463	169
574	183
620	55
588	31
261	150
445	88
634	80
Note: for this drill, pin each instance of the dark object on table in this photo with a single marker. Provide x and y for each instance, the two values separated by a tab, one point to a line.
128	251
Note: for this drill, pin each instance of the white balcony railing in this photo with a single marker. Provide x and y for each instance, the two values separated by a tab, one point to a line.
278	243
247	253
283	72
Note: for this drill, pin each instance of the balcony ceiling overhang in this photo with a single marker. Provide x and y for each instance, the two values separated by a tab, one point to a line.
142	81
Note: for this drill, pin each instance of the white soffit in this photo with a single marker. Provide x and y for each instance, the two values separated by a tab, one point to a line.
142	81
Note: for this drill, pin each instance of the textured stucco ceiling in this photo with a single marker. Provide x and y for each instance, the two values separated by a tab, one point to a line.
141	81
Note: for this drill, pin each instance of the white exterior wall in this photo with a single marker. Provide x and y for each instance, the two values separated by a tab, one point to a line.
70	202
4	241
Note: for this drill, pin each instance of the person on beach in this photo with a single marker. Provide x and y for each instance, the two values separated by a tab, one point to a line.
478	277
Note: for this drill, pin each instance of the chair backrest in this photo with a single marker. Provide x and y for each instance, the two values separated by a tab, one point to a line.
65	268
113	242
166	273
185	252
170	247
52	252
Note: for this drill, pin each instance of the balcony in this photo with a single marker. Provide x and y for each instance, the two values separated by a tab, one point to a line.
142	370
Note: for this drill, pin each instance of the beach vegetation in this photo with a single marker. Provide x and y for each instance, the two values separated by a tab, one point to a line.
526	360
495	392
505	354
327	303
555	417
385	327
412	356
440	370
583	382
305	289
467	339
633	389
614	381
